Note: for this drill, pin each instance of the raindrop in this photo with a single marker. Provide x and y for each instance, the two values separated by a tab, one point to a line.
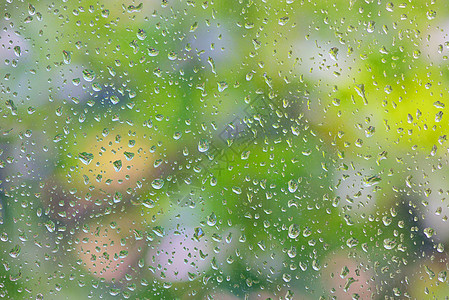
292	186
88	75
198	234
293	231
15	252
333	52
86	158
203	145
117	165
157	183
148	203
66	57
222	85
141	34
211	219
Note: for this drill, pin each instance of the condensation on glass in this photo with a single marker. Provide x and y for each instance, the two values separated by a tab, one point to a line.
250	149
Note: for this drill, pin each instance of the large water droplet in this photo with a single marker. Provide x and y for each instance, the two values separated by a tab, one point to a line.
293	231
67	57
211	219
15	252
88	75
157	183
203	145
86	158
198	234
141	34
292	186
117	165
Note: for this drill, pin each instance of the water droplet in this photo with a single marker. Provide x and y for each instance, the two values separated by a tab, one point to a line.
51	227
245	154
15	252
128	155
159	231
31	10
148	203
193	27
157	162
333	52
438	116
157	183
203	145
431	14
86	158
153	52
292	186
172	55
212	64
293	231
360	89
370	131
58	138
352	242
114	99
118	197
371	26
389	243
141	34
88	75
442	276
117	165
222	85
237	190
371	180
17	51
198	234
429	232
66	57
212	219
284	20
177	135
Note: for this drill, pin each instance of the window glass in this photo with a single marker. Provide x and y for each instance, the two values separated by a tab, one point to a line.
247	149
